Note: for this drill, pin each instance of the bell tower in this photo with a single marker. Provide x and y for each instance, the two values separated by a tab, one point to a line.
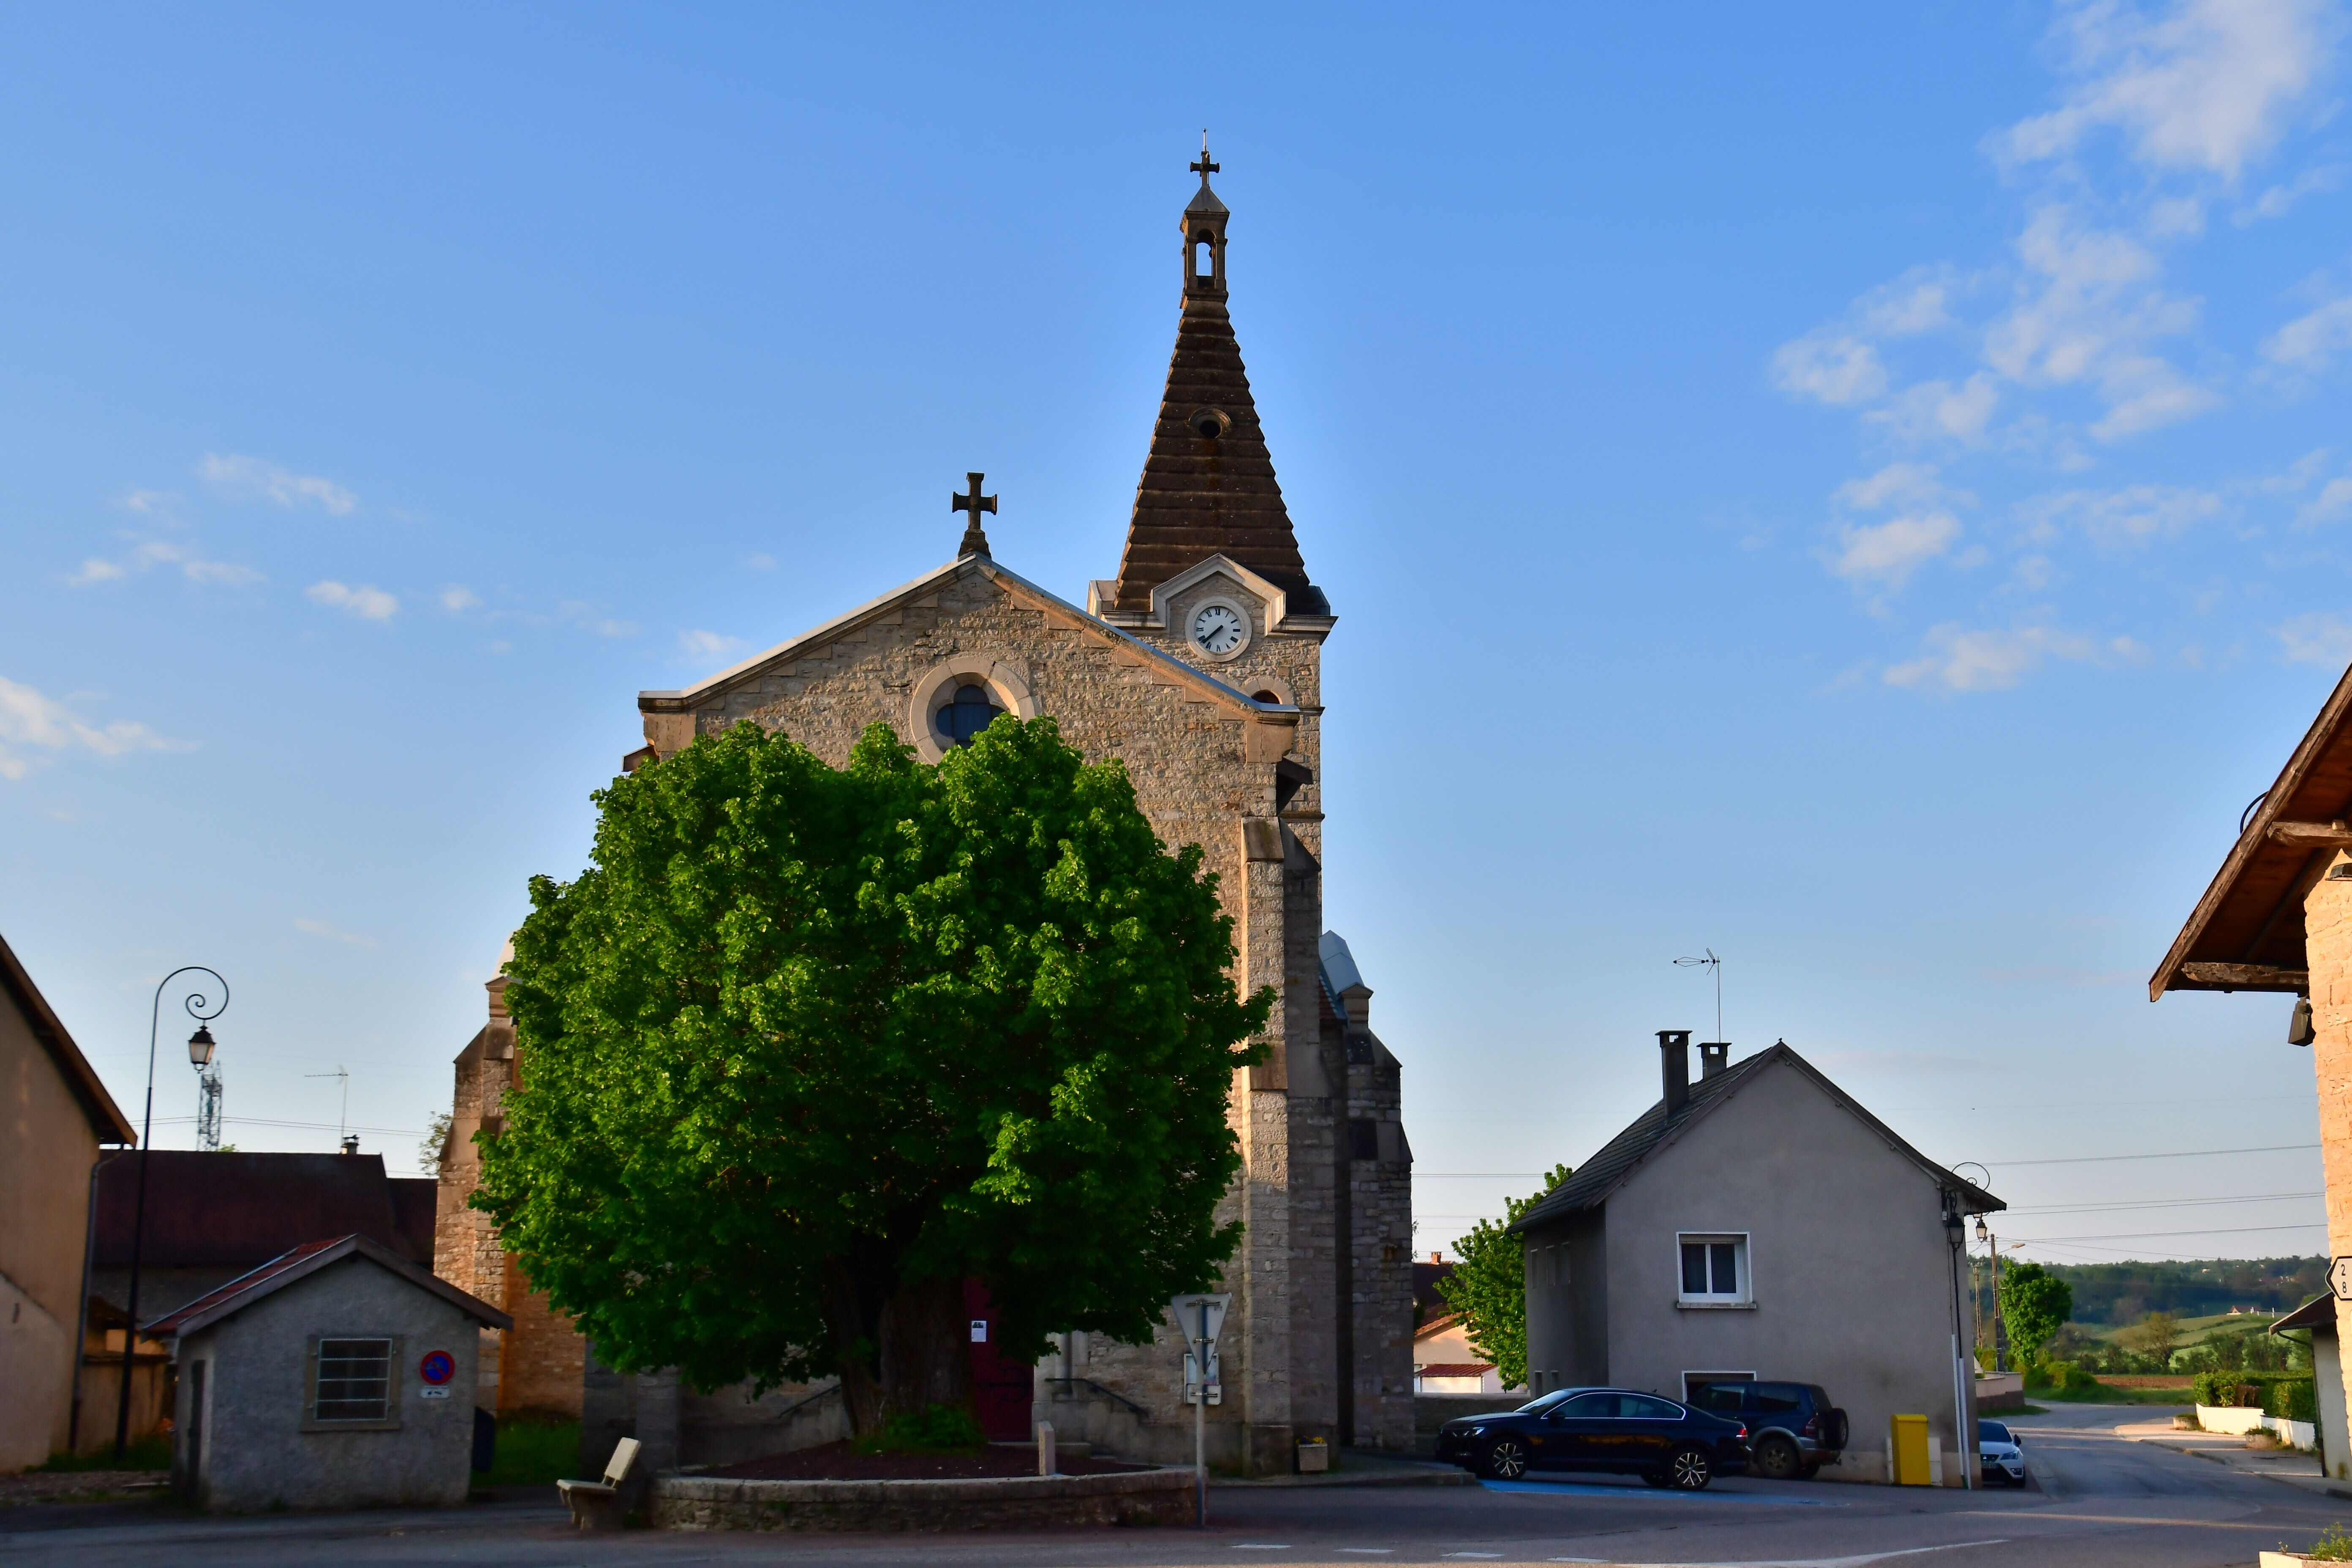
1205	235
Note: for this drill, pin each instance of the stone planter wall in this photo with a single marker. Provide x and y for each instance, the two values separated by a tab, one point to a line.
1015	1502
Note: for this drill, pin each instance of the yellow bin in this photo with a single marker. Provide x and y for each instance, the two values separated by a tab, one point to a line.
1910	1440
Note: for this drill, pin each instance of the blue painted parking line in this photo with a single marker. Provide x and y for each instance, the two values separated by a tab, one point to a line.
1657	1494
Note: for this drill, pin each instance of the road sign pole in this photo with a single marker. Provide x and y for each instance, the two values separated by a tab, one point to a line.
1200	1422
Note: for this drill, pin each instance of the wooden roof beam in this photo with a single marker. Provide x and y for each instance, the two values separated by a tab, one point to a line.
2312	834
2246	977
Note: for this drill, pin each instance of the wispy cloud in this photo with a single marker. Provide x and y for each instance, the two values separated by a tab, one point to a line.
2319	637
2132	514
457	598
30	719
709	647
366	603
759	560
1958	658
258	476
321	928
1883	555
2311	342
152	552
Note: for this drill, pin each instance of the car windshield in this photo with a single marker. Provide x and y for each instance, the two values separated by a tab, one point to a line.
1537	1406
1992	1432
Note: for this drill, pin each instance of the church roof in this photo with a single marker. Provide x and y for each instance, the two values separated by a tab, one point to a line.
1208	485
2246	932
703	690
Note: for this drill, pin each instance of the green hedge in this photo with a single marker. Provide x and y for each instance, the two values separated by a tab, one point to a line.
2292	1394
2063	1376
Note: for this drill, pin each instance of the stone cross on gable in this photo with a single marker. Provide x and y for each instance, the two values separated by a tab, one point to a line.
1204	168
975	543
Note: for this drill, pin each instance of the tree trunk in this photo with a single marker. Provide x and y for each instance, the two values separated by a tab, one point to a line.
926	1349
851	1320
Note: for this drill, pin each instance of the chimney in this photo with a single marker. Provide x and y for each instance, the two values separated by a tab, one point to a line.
1358	1000
1714	1056
352	1145
1674	1053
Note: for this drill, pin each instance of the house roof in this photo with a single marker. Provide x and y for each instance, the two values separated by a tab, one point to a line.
703	691
300	1263
1455	1368
1438	1325
1651	1132
105	1117
2246	932
207	1209
2318	1313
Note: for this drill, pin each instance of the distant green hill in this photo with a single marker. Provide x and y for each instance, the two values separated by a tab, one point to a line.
2116	1294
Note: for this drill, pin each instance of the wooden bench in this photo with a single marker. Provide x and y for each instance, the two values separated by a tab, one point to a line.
596	1505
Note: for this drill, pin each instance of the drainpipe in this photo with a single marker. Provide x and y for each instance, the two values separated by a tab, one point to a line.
81	1305
1963	1436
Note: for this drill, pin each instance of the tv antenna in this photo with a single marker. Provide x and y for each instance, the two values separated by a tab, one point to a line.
343	1116
1709	962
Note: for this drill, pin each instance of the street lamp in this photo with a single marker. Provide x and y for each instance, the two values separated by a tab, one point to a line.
200	1053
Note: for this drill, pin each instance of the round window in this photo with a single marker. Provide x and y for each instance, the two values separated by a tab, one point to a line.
965	714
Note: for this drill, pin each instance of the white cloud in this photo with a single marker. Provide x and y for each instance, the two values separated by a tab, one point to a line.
2312	342
2318	639
368	603
2209	86
2279	200
153	552
1933	410
1831	366
255	476
2334	500
457	598
1888	553
1958	659
760	561
2131	515
27	717
321	928
709	647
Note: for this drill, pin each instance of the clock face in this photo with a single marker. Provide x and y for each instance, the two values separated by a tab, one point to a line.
1219	629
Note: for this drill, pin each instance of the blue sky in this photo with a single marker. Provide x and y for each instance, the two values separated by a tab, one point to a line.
1864	490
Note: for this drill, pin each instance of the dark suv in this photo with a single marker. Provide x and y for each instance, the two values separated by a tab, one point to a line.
1792	1429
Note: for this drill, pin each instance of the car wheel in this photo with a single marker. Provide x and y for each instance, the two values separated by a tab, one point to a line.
1689	1471
1776	1459
1507	1460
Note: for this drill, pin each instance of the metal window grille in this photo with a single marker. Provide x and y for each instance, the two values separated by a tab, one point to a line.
354	1380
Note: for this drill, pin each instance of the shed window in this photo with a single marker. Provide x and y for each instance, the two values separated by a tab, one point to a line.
1714	1270
354	1380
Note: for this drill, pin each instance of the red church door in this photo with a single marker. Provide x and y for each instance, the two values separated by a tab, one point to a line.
1006	1388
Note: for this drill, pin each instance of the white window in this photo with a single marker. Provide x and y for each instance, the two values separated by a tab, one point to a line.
1712	1269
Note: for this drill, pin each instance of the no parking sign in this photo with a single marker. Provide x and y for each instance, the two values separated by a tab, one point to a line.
437	1367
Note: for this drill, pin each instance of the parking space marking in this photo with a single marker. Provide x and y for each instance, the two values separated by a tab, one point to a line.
1368	1551
1859	1560
1261	1545
1661	1495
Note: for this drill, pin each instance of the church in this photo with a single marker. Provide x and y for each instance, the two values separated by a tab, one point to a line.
1198	664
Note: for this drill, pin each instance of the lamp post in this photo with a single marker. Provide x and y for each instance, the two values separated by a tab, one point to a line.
200	1056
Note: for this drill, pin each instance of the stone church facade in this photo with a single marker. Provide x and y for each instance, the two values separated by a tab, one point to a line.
1199	665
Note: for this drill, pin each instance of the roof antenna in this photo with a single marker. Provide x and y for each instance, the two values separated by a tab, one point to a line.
1709	962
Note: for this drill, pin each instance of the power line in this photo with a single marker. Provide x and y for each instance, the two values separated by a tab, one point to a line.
311	1126
2138	1234
2175	1154
2163	1203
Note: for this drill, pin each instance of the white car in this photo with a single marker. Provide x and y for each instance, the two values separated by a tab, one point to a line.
2001	1458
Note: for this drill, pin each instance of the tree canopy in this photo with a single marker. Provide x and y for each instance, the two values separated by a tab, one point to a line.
806	1047
1488	1287
2034	1303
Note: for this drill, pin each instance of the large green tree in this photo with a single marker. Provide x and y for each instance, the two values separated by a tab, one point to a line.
806	1047
1488	1286
2033	1304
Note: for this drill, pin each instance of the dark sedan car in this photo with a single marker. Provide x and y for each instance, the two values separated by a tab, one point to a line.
1666	1444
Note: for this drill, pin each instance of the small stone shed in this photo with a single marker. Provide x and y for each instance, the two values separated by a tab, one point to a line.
338	1376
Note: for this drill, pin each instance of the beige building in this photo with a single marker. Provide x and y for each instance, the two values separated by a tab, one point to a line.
57	1115
2278	917
1199	663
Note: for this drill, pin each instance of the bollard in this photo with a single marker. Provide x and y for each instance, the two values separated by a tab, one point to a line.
1045	1461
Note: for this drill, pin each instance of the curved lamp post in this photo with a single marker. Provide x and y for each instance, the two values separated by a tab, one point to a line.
200	1054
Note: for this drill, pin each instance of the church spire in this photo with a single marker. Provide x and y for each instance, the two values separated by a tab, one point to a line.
1208	486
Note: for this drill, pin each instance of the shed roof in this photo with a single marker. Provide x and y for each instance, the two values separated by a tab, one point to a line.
2246	932
212	1209
106	1118
1653	1131
300	1263
2318	1314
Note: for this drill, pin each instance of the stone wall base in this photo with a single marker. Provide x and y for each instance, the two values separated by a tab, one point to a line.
1016	1502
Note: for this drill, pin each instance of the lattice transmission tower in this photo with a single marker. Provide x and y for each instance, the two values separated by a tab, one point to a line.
208	1108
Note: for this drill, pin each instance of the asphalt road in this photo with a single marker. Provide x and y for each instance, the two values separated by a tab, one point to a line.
2100	1500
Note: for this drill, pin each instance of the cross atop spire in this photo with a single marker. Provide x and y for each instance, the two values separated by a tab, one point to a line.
1204	168
975	543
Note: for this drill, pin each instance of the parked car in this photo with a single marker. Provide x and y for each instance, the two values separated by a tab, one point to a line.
2000	1454
1794	1429
1666	1444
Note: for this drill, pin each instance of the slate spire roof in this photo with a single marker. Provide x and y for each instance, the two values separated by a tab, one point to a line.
1208	486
